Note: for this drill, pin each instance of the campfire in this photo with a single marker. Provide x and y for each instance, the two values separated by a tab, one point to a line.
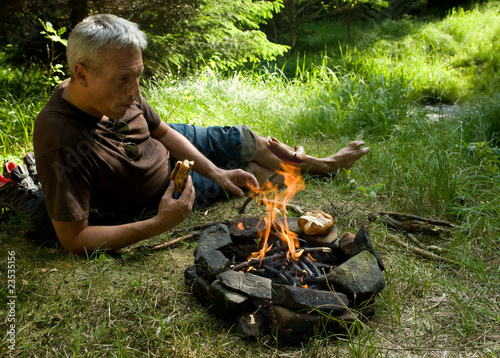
290	277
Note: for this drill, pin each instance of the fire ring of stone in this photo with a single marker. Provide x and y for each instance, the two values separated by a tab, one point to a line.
342	283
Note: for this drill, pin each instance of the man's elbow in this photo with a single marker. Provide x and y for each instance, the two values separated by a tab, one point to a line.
73	248
69	235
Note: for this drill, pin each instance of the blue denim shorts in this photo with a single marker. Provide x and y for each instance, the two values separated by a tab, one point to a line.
227	147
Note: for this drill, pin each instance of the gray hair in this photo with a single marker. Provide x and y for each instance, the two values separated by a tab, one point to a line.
99	32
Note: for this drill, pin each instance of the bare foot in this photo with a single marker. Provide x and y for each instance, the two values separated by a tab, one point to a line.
343	159
347	156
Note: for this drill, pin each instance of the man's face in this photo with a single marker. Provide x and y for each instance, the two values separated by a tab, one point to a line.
112	89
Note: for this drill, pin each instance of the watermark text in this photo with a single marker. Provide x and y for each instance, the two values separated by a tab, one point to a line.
11	300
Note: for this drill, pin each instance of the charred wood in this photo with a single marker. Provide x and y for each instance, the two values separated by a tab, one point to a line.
258	262
306	268
312	265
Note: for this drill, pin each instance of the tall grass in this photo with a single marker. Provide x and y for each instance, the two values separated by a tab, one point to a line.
318	102
445	61
20	102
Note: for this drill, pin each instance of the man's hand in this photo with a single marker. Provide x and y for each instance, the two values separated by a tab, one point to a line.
233	180
171	212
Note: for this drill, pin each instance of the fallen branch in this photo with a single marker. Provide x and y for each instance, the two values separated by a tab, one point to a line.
418	218
292	207
411	226
175	241
423	246
419	251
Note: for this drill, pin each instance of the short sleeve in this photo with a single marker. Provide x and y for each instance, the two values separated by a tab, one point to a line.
152	117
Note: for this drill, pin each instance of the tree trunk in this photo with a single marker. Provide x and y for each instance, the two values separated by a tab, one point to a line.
292	16
348	19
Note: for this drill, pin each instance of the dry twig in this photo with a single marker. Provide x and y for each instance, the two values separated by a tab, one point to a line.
418	250
175	241
409	225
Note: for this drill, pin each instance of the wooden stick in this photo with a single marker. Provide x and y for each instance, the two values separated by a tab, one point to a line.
425	247
415	240
419	251
408	225
174	241
251	197
311	265
245	204
419	218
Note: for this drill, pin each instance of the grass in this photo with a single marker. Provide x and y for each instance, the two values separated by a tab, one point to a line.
438	162
446	61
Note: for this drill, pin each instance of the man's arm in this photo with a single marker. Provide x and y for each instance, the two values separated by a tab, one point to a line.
181	148
78	237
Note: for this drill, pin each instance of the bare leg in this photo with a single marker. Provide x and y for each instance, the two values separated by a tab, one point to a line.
265	162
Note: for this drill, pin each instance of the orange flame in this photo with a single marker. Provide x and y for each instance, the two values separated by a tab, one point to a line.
275	203
311	258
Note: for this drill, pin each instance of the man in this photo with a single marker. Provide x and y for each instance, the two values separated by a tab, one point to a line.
98	144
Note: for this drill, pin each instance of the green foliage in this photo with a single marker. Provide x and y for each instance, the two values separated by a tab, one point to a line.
54	70
376	4
221	35
184	36
20	100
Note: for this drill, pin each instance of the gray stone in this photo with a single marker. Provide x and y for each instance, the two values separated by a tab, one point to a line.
360	278
300	298
212	263
246	228
253	285
214	238
362	242
294	328
199	286
229	298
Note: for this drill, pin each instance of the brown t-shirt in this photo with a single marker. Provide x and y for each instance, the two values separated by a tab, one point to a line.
81	161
